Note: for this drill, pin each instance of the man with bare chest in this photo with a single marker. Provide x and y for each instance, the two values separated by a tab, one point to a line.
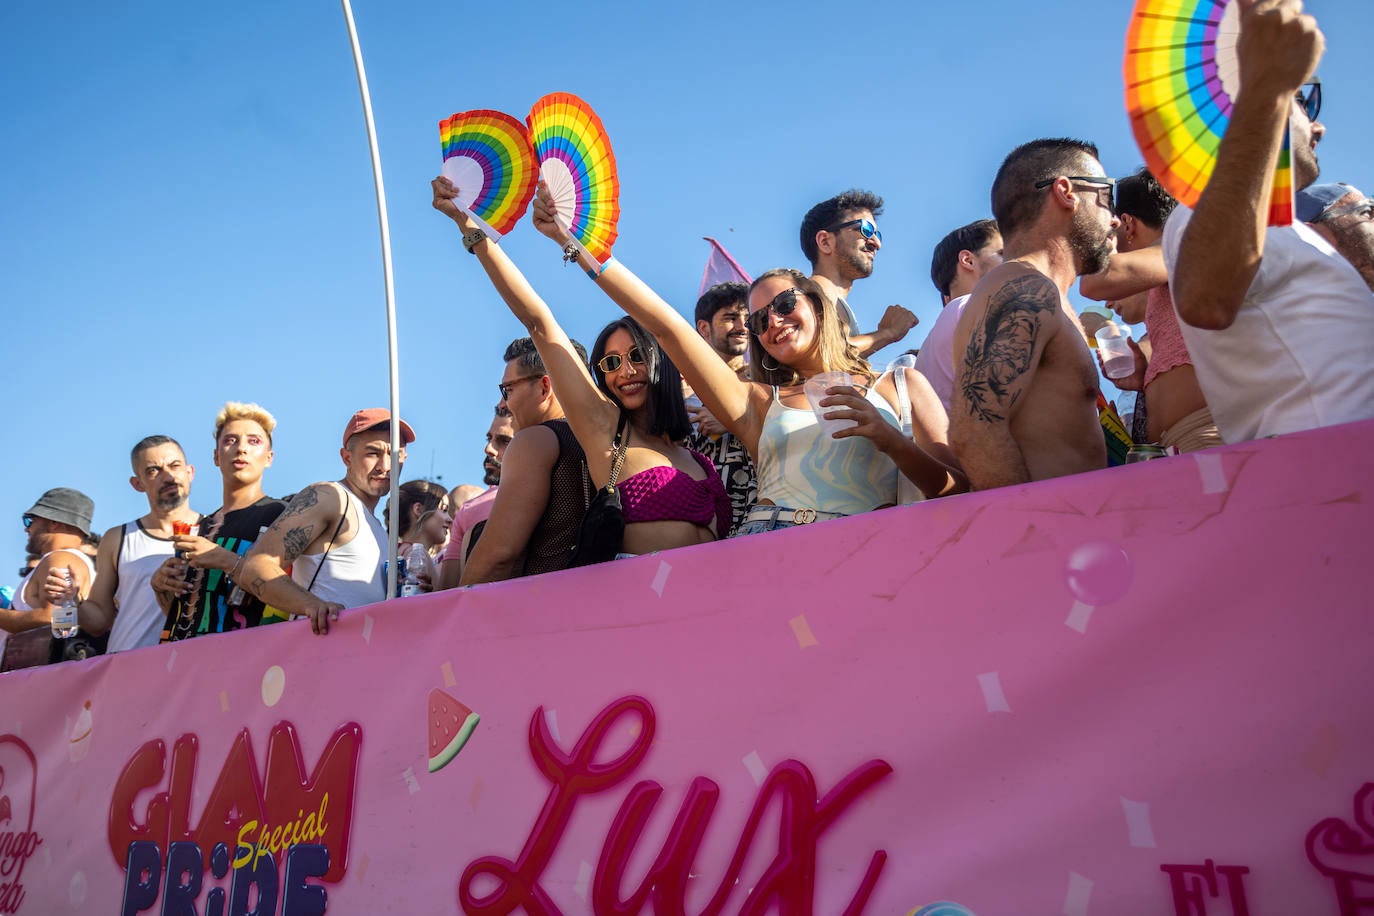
1024	405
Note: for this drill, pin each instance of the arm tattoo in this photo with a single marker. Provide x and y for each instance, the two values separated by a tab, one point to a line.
295	541
1000	350
303	500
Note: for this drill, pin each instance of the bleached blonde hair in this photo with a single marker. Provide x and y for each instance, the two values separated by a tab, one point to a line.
237	410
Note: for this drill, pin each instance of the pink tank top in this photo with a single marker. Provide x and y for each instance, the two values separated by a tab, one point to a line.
1165	336
667	494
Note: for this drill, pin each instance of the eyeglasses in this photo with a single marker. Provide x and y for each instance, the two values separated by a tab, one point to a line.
1099	183
866	228
1310	98
28	520
505	387
612	361
782	305
1364	209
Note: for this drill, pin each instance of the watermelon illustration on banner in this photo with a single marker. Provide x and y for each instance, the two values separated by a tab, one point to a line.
488	157
1181	77
450	726
576	162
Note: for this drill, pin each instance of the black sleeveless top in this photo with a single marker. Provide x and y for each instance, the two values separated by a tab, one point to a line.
551	545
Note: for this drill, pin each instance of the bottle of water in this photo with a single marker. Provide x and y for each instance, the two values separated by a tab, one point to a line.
64	614
414	562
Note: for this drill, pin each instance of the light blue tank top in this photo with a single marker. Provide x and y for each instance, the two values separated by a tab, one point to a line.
799	468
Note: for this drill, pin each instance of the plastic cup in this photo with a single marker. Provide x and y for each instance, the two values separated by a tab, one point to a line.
181	529
815	388
1113	345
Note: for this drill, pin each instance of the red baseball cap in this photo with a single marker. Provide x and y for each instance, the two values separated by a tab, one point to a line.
371	418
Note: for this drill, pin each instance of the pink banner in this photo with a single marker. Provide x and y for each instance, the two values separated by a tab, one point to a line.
1143	690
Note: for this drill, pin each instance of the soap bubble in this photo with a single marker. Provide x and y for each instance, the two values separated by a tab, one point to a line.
1098	572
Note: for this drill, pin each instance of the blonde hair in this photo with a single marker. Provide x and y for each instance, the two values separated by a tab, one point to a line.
836	352
236	410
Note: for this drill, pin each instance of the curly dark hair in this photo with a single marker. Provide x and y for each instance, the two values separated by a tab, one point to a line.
829	213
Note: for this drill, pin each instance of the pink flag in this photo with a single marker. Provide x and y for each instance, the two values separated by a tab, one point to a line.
721	268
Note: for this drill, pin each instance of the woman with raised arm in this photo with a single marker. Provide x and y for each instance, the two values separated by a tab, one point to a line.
671	495
794	335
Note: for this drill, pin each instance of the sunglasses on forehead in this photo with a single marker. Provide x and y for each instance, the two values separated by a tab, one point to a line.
866	228
613	361
782	305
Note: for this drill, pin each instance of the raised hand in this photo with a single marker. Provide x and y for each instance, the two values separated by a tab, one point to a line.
545	213
1279	46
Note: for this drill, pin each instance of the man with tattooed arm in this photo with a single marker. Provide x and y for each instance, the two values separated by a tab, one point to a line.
328	535
1024	405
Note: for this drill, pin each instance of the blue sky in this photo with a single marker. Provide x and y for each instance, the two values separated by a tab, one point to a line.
189	217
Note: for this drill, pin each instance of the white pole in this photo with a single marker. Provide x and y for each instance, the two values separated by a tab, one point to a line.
393	528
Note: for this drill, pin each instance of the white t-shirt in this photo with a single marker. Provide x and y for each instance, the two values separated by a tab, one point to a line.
936	359
1298	354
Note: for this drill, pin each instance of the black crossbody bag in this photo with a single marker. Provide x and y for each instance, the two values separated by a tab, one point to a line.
602	532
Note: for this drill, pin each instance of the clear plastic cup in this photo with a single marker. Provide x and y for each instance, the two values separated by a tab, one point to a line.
816	391
1113	345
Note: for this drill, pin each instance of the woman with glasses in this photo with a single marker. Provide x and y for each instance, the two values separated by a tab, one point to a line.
795	334
671	496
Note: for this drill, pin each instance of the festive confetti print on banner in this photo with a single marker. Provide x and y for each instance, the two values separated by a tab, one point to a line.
1142	835
1098	572
993	697
661	577
1076	899
1181	77
368	623
754	764
576	162
488	157
273	685
802	631
446	669
79	742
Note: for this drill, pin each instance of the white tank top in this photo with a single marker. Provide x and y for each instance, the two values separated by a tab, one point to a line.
138	617
20	604
352	573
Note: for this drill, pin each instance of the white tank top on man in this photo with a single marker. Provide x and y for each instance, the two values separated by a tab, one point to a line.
138	617
352	573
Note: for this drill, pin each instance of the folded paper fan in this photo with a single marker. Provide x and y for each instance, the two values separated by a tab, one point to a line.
1181	77
576	162
488	157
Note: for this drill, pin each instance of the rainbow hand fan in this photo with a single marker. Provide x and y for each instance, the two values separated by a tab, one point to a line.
1181	75
576	162
488	156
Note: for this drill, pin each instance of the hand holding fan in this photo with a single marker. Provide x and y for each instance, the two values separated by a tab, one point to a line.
576	162
1181	77
488	157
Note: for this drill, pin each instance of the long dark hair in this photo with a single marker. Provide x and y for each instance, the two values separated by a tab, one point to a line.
667	412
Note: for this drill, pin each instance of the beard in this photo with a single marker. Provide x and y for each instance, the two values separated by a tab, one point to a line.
1091	254
858	264
491	474
172	500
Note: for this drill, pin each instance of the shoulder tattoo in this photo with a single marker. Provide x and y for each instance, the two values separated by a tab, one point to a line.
305	499
1000	349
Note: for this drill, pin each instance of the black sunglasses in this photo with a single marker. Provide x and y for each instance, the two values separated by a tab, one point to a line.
782	305
1102	184
866	228
505	387
1310	98
612	361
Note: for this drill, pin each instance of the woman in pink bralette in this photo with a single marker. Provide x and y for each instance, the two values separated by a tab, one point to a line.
672	496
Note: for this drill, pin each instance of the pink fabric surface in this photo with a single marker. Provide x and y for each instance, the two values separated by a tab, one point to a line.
1166	340
1141	690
